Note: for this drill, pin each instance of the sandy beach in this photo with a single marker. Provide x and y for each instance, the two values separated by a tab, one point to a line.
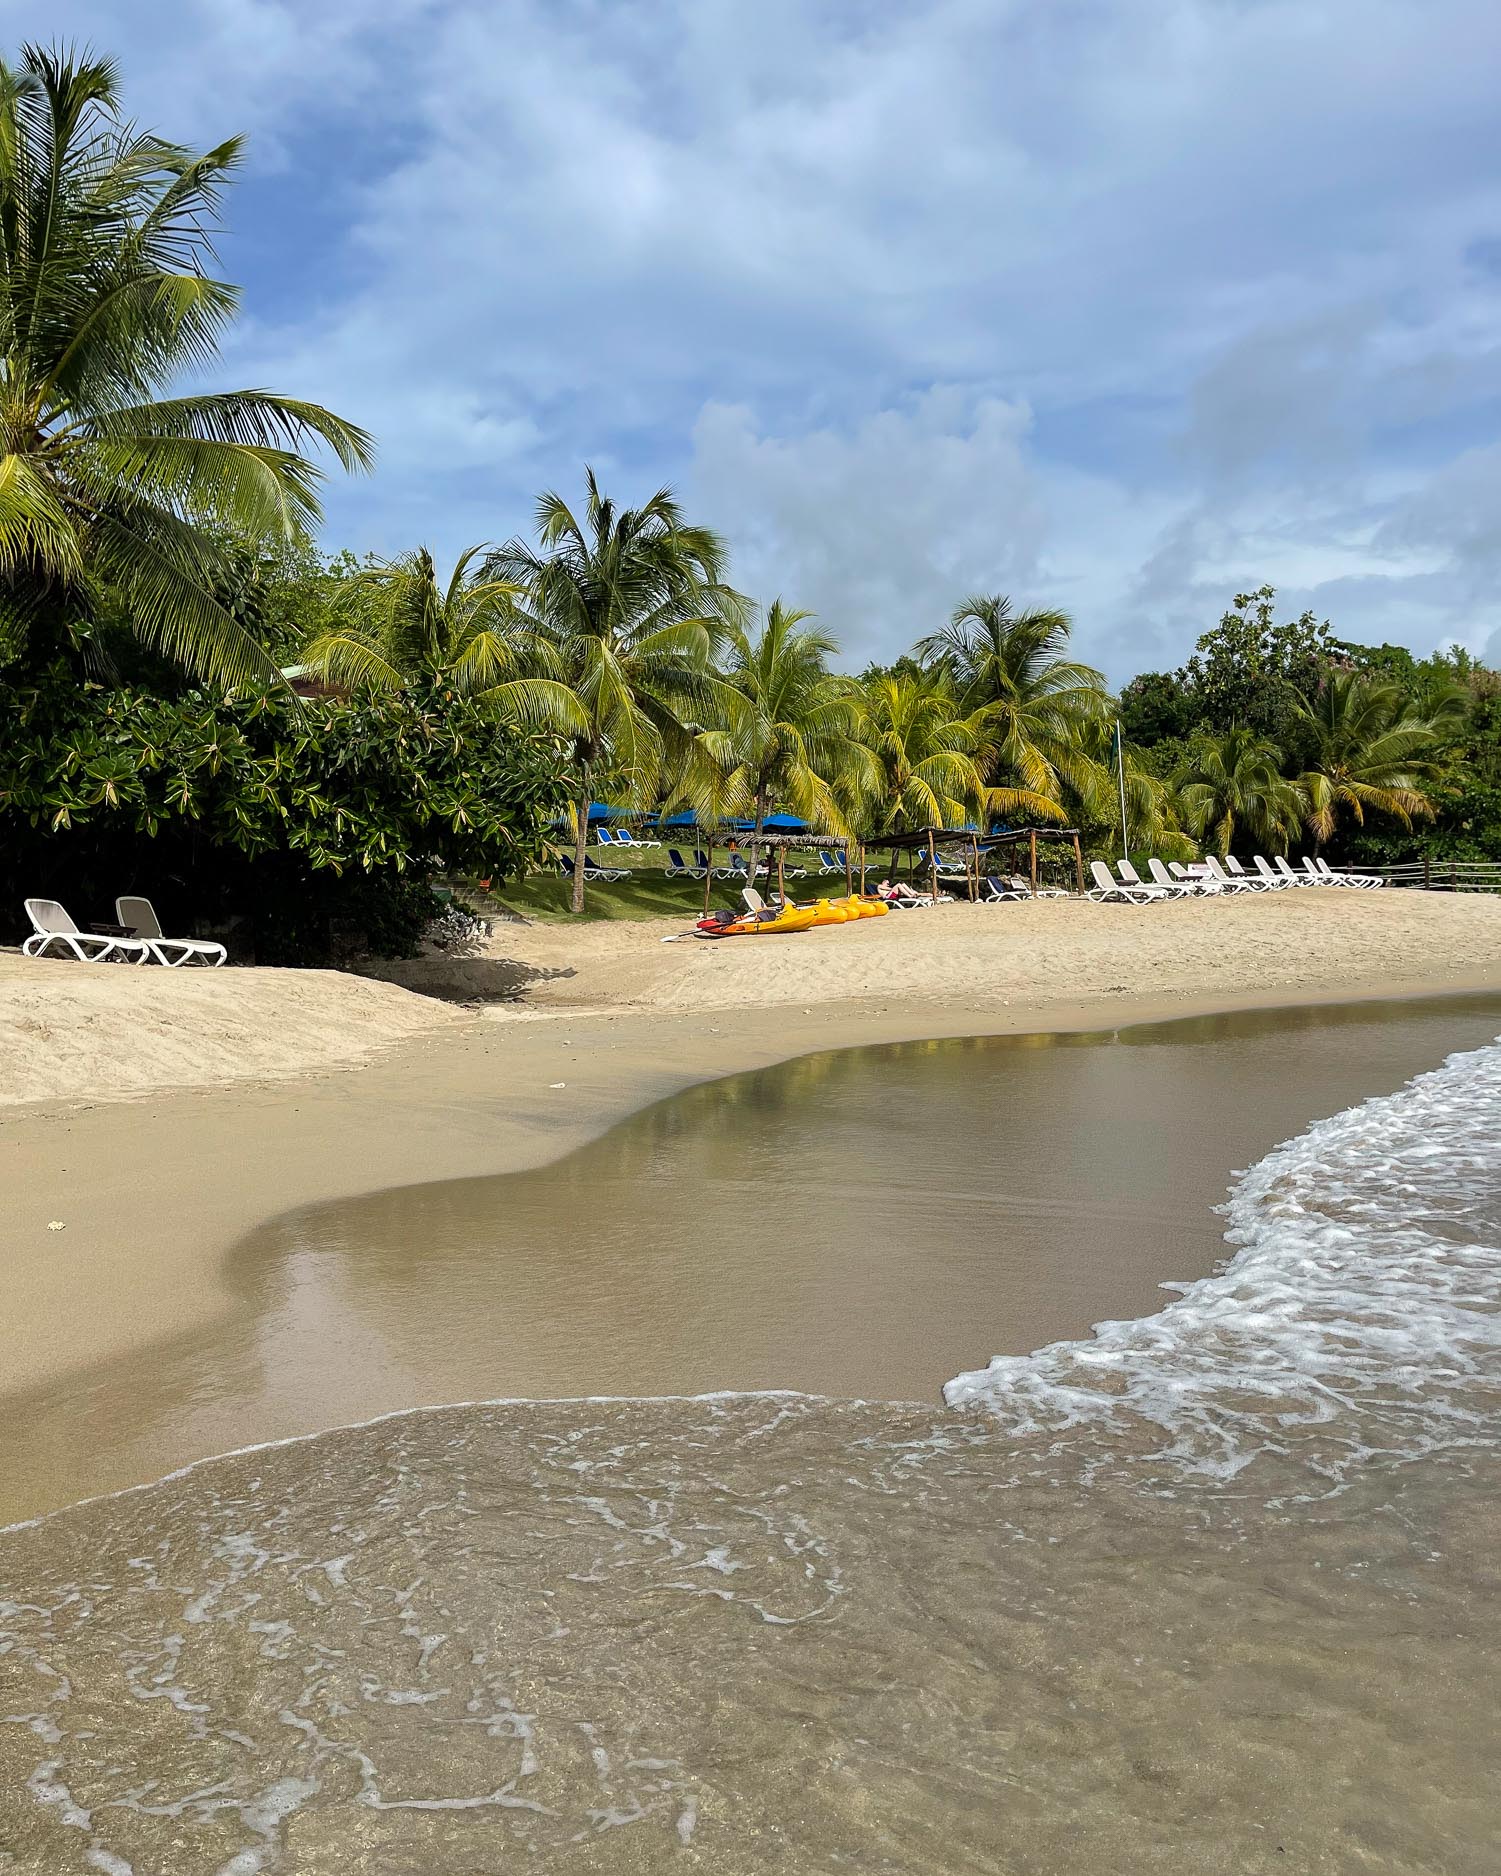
238	1097
84	1033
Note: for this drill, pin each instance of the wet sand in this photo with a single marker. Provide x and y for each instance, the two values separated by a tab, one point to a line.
861	1223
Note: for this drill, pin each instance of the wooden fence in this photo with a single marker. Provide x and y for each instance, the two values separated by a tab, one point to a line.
1431	875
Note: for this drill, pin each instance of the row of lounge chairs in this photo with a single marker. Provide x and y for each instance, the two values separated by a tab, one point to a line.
138	938
1175	881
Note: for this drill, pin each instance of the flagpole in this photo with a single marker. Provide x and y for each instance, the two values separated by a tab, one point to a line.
1120	770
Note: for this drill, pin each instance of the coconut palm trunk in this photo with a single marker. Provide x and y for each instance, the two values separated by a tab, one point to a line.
580	852
760	829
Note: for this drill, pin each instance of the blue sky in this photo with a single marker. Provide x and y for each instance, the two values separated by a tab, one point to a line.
1115	304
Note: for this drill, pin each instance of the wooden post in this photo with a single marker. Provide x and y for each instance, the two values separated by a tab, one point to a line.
782	874
848	882
1033	838
708	875
974	854
932	866
862	868
1079	864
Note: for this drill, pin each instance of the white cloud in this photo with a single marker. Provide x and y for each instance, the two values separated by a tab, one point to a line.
885	525
1118	305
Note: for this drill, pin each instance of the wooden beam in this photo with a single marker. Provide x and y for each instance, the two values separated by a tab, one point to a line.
1033	838
1079	864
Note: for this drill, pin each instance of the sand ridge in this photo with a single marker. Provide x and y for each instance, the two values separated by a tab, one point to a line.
87	1032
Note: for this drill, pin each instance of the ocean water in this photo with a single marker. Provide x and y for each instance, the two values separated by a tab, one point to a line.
1212	1590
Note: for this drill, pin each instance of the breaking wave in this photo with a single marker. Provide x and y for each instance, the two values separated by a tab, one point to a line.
1354	1321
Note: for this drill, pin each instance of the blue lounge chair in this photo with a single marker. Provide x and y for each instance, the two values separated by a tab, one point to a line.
678	868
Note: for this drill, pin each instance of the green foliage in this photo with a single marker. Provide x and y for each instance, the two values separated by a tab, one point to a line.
1251	673
1231	788
321	823
1156	708
627	608
1044	720
115	499
792	740
1370	750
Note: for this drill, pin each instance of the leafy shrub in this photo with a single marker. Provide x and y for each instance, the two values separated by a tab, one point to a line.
316	826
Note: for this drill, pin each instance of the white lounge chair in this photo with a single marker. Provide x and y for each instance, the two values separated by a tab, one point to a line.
1176	877
1321	873
140	916
52	926
1130	877
1228	880
1106	886
1235	870
994	891
1176	888
1038	892
1269	874
1290	876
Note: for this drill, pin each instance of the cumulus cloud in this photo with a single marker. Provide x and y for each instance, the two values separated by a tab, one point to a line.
881	527
1119	306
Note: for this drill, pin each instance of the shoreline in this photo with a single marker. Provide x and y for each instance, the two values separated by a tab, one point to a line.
158	1189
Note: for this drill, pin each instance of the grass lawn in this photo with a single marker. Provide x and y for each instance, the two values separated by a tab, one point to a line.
645	894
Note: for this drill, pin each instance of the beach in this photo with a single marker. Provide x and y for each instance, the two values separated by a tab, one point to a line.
293	1207
1212	1589
131	1194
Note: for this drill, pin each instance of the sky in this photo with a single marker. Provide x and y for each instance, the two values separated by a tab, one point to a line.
1121	306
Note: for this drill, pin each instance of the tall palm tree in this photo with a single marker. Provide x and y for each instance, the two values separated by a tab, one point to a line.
627	607
932	760
1044	710
1371	750
105	301
795	739
398	626
1233	785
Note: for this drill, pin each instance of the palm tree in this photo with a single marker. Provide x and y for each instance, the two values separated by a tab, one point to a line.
626	608
1232	785
1371	750
795	739
399	626
105	300
932	761
1044	711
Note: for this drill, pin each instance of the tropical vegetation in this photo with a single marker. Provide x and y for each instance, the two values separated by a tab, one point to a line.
113	493
199	702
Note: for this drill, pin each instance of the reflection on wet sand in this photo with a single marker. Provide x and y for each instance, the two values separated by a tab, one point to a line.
863	1223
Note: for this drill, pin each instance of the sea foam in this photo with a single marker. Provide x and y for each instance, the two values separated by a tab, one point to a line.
1358	1318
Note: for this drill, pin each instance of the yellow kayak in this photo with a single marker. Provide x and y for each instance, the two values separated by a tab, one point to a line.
790	918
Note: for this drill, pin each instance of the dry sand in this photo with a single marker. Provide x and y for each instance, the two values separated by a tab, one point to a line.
987	957
94	1031
76	1032
151	1191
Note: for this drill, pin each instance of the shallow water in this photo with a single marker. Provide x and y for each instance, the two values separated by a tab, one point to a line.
1214	1591
864	1223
